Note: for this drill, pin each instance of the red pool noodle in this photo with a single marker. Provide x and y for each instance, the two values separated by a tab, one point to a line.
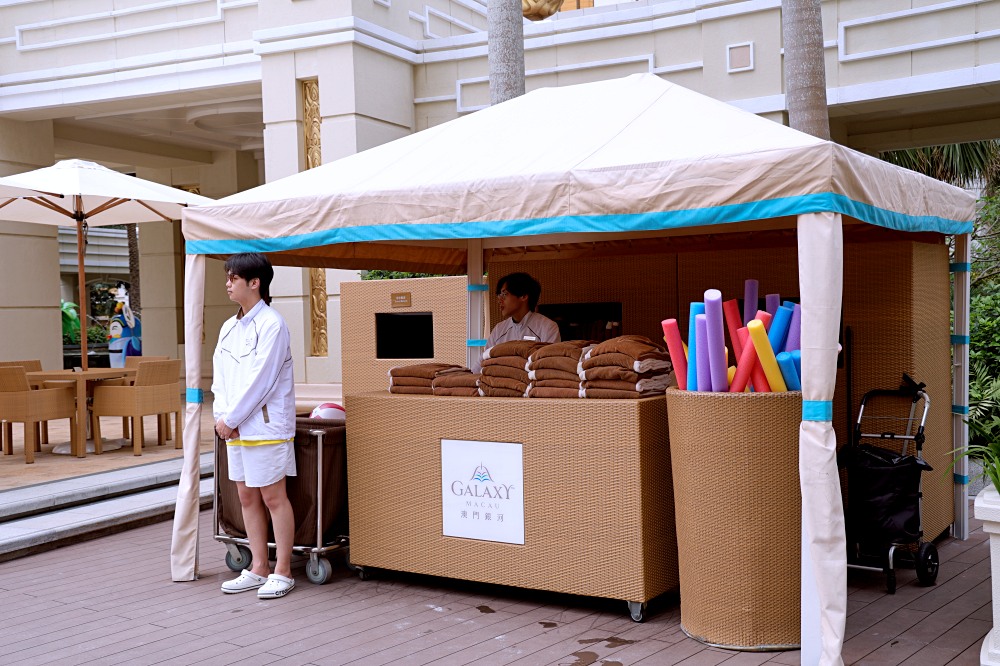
731	310
675	346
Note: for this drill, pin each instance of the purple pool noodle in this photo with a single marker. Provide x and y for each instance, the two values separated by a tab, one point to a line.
793	340
692	382
701	335
716	336
749	300
771	303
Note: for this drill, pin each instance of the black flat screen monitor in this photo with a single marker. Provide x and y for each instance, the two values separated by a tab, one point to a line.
404	335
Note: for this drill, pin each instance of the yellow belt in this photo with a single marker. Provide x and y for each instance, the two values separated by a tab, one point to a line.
256	442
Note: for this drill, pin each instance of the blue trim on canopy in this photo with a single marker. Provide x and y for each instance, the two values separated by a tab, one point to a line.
817	410
652	221
195	395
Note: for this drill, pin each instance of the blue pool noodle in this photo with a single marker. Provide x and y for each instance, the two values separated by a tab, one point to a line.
787	367
779	328
796	355
696	309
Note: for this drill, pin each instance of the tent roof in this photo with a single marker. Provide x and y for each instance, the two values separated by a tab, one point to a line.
636	154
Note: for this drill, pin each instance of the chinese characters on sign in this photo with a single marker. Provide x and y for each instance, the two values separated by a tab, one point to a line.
482	492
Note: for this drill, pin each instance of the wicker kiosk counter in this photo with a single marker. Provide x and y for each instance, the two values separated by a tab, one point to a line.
598	496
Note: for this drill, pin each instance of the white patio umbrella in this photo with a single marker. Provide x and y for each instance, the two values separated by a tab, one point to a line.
84	194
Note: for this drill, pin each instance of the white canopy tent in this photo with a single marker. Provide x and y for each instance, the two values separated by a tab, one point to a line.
631	157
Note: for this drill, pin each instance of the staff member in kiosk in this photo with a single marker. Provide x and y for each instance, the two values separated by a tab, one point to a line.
255	413
517	295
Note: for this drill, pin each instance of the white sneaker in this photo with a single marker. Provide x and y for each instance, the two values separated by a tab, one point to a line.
276	586
247	580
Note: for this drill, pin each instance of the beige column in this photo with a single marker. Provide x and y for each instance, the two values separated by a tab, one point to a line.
30	317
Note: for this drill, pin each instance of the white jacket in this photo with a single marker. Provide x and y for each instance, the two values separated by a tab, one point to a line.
252	384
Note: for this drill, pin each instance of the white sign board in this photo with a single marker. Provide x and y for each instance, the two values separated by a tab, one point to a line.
482	490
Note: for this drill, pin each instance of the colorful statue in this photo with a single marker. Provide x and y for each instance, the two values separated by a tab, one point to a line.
124	331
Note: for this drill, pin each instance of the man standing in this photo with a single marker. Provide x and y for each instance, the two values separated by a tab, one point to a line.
254	410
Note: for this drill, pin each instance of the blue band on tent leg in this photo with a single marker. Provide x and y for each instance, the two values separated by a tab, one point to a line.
478	287
195	395
959	267
475	343
960	339
961	479
817	410
959	409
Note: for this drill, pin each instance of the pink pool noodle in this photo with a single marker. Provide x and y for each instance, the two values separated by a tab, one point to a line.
749	300
716	334
771	303
748	367
731	310
794	339
764	317
672	336
701	343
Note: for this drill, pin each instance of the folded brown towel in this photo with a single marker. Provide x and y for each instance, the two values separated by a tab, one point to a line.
654	384
425	370
568	348
456	380
556	363
403	380
615	394
522	348
557	383
504	383
612	373
545	373
457	390
546	392
520	374
609	384
632	345
491	392
509	361
652	363
423	390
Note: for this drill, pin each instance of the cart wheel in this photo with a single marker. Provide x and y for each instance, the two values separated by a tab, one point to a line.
241	560
363	574
927	564
890	581
637	610
320	571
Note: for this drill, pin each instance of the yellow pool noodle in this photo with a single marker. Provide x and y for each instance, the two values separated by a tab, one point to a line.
731	373
765	354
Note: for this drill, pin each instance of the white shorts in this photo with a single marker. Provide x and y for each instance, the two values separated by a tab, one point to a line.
259	466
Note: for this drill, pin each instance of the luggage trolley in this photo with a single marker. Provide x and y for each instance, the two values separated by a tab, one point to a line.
317	499
884	485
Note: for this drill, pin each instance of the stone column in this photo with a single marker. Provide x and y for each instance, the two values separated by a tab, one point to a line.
987	508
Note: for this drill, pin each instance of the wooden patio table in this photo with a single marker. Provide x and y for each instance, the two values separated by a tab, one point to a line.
78	445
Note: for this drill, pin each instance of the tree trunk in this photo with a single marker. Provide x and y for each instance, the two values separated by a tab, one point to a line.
805	68
505	30
135	301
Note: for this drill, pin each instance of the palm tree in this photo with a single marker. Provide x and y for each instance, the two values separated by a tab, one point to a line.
135	302
505	56
805	69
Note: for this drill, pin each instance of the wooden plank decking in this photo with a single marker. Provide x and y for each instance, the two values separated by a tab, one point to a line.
111	601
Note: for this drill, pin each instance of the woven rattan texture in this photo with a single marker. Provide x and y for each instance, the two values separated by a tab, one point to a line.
445	297
644	285
738	551
598	496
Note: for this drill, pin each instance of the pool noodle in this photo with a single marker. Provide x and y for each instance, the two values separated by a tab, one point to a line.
788	304
787	367
716	340
794	339
749	300
764	317
779	328
731	309
797	358
749	358
704	369
730	373
672	336
772	302
692	355
766	356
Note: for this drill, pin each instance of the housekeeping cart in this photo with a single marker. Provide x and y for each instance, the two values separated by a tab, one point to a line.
318	495
884	484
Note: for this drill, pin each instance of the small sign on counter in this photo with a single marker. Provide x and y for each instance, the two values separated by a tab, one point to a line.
482	490
401	299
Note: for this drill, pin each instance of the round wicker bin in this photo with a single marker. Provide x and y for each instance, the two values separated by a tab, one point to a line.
738	514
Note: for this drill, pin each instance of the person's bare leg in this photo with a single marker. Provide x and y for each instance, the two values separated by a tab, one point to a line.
255	520
283	522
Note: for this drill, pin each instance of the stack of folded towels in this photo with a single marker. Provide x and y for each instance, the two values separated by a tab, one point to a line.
629	366
456	383
554	370
505	371
420	378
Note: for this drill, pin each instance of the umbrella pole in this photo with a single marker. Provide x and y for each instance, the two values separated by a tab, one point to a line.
83	284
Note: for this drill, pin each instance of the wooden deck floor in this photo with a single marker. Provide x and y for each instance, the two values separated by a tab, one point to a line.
111	601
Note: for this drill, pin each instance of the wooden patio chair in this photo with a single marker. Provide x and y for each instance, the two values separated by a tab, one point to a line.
156	391
7	432
133	362
19	403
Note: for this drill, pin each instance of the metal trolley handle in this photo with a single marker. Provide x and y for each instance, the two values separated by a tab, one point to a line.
910	388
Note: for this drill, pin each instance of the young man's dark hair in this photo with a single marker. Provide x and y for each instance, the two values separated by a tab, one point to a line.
250	265
520	284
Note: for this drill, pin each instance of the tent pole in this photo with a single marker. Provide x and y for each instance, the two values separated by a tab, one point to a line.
961	270
475	333
81	272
